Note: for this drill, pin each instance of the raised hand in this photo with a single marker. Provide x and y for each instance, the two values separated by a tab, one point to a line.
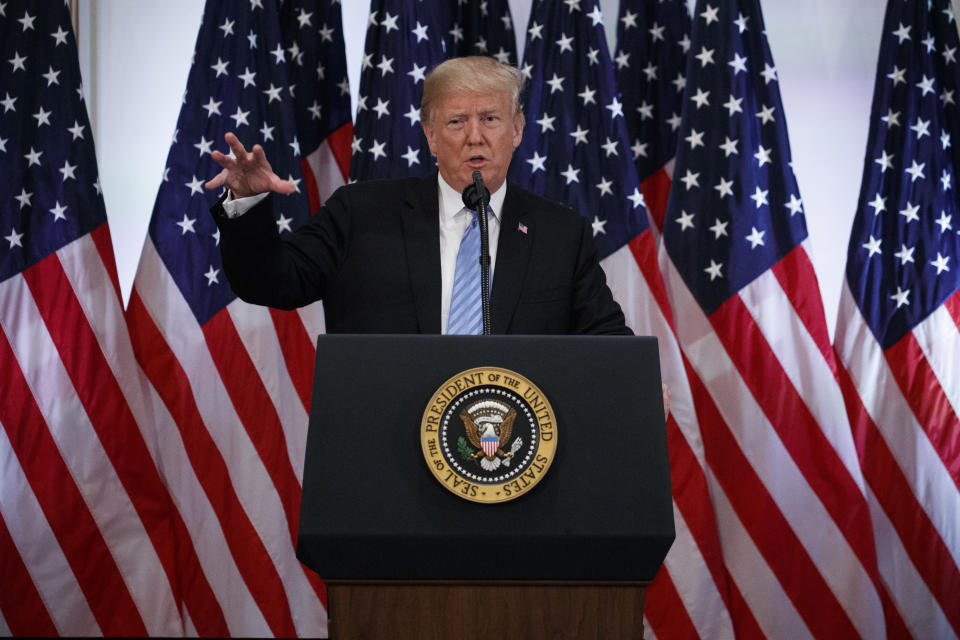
247	173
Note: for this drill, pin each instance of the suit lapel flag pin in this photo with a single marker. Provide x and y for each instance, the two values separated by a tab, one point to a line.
522	228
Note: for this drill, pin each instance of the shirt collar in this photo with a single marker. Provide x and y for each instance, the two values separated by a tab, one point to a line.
451	201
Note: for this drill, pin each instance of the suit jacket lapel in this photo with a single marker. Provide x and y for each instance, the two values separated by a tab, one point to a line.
513	255
421	232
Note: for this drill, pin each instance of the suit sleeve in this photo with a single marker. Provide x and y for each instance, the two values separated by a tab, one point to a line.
283	272
594	309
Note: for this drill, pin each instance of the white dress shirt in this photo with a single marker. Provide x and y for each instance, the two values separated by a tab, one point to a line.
454	220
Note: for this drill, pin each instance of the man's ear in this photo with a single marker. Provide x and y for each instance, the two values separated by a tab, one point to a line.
518	123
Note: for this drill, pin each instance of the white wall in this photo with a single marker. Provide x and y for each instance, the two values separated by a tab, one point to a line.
135	56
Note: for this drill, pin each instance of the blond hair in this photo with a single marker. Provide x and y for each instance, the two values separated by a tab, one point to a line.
470	73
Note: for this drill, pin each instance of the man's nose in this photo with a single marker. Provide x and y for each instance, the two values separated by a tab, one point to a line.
474	134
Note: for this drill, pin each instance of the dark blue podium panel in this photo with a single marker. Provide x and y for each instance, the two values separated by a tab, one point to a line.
372	510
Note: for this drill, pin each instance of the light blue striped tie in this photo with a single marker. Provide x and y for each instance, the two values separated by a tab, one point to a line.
466	317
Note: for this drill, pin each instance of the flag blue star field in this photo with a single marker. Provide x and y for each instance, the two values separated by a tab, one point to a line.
653	39
87	540
232	381
898	330
317	65
404	40
783	470
735	161
575	145
238	82
482	28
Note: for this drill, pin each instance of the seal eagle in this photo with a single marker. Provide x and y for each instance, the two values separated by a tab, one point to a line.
489	425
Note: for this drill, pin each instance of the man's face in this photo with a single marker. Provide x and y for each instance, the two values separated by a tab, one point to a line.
470	131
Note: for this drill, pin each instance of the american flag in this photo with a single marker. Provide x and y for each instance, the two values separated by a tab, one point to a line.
653	39
898	330
404	41
780	460
482	28
231	382
693	596
317	71
87	543
576	149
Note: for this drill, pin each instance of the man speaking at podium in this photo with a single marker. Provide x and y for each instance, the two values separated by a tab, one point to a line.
403	256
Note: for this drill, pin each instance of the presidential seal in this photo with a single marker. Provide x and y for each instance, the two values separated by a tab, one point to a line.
488	434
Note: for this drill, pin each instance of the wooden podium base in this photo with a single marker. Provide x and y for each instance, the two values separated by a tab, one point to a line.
484	610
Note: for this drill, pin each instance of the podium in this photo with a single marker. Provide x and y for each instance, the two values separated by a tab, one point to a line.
404	556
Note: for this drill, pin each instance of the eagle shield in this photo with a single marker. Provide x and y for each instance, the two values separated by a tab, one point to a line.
489	426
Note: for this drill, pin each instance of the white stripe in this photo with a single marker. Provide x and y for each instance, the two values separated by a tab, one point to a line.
929	479
91	282
800	506
644	317
804	364
239	609
919	609
939	339
257	332
313	320
157	290
4	628
326	170
189	629
40	550
695	584
249	477
759	586
691	577
648	633
83	454
255	327
98	298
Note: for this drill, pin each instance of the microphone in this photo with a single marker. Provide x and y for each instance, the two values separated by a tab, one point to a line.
476	196
475	192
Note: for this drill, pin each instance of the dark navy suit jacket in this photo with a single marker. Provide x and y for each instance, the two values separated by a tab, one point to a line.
372	254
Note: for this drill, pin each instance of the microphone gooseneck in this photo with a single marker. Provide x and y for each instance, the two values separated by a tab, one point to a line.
477	197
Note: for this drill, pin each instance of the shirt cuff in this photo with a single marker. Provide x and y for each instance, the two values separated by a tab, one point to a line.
236	207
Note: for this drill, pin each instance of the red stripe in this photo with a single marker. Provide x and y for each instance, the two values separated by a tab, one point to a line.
63	506
259	418
799	431
252	558
931	406
340	142
692	496
310	182
798	279
952	305
665	611
656	189
20	603
929	553
644	251
105	405
103	243
298	352
769	530
689	487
